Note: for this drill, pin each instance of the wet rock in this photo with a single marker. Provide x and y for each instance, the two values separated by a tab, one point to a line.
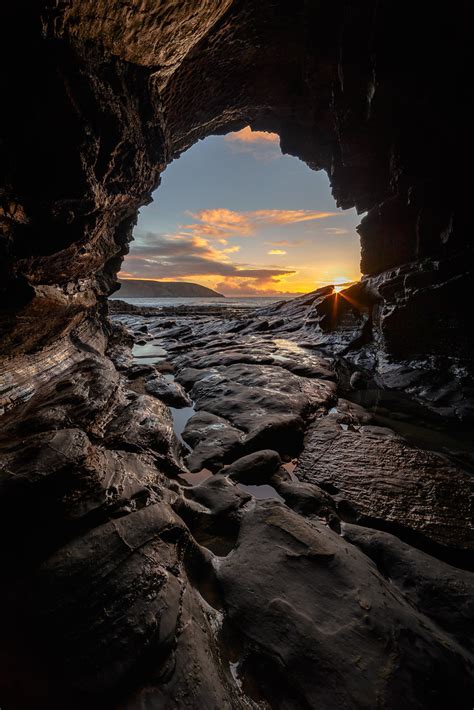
194	674
247	350
164	367
120	347
62	483
438	590
219	495
213	511
346	412
213	439
140	370
230	357
171	393
189	375
114	589
307	499
383	478
268	403
306	369
320	637
357	380
256	468
145	424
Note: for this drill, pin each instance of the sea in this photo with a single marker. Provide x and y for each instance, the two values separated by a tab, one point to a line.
227	302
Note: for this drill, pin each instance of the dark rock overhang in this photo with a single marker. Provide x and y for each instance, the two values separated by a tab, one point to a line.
100	96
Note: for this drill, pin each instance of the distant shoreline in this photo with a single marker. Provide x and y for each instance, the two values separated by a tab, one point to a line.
148	288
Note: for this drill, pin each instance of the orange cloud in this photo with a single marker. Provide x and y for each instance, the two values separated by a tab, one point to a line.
174	256
288	216
246	135
276	252
286	243
234	286
221	222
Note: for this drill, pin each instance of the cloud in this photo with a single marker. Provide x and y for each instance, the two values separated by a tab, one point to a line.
276	252
260	145
287	243
159	256
336	231
246	135
235	287
222	223
288	216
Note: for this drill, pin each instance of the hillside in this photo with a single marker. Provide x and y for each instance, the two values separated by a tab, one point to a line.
140	288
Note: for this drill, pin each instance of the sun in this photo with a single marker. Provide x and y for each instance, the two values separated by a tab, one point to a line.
338	288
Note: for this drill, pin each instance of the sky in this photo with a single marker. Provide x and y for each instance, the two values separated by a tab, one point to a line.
234	214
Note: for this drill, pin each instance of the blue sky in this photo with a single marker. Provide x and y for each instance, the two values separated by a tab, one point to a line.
234	214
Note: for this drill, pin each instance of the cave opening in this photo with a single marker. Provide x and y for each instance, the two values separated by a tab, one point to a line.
235	215
125	586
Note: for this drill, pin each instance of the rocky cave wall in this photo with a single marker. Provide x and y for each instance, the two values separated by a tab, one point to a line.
100	96
113	596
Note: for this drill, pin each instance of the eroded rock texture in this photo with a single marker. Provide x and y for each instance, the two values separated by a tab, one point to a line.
133	582
132	576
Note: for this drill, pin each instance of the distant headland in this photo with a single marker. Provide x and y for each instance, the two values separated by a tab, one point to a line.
144	288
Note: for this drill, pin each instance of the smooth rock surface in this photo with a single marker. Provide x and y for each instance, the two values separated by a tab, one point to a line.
322	634
384	479
254	468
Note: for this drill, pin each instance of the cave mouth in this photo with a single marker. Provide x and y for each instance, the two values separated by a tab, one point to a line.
235	215
112	110
125	587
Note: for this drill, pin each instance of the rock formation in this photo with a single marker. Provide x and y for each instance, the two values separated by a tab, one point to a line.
124	584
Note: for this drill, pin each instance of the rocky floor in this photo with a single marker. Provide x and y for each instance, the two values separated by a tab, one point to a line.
196	518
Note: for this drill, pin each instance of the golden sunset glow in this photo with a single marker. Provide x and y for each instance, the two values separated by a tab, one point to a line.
246	228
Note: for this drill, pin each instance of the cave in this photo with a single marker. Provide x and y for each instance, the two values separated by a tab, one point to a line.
123	587
239	217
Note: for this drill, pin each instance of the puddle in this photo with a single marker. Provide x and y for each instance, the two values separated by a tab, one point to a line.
289	467
149	360
180	415
180	419
418	425
263	492
194	479
148	353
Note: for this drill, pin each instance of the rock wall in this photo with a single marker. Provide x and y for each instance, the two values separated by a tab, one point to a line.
126	587
101	96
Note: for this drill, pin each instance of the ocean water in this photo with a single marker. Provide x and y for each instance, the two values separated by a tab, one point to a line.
227	302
